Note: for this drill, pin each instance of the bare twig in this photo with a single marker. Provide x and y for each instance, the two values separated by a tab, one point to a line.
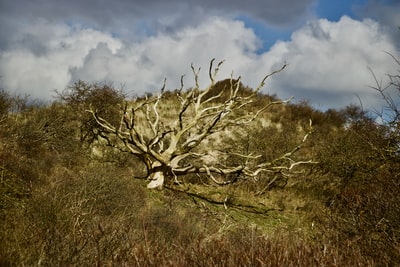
167	147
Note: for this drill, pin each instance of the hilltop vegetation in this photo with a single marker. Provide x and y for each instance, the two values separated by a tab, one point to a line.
68	200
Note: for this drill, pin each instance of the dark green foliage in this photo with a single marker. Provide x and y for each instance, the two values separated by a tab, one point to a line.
103	98
369	213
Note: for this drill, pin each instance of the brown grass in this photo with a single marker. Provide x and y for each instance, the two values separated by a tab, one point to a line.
60	206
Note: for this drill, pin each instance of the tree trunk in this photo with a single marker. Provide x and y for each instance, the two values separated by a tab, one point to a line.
156	176
157	180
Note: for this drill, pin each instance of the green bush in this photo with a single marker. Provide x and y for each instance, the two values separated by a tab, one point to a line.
101	97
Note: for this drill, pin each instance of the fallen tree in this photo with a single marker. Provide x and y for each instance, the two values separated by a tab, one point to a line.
181	132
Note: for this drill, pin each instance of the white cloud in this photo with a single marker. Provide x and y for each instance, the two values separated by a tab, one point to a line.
142	66
327	60
39	69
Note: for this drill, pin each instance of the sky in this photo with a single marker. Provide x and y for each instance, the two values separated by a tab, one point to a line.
329	45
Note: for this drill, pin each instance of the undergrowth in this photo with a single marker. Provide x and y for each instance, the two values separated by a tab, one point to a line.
62	206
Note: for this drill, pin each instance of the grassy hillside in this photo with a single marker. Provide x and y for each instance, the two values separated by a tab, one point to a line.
64	204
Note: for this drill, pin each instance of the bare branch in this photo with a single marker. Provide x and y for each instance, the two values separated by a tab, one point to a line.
175	142
262	83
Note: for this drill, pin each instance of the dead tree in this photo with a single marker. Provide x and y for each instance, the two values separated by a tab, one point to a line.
172	136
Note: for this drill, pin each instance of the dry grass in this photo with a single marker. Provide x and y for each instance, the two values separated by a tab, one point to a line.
60	206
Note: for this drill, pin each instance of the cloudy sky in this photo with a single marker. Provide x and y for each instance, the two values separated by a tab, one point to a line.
45	45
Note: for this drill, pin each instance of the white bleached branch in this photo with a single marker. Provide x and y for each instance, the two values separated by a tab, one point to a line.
168	143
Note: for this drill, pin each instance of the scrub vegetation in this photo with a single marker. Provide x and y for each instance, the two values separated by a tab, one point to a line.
220	176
